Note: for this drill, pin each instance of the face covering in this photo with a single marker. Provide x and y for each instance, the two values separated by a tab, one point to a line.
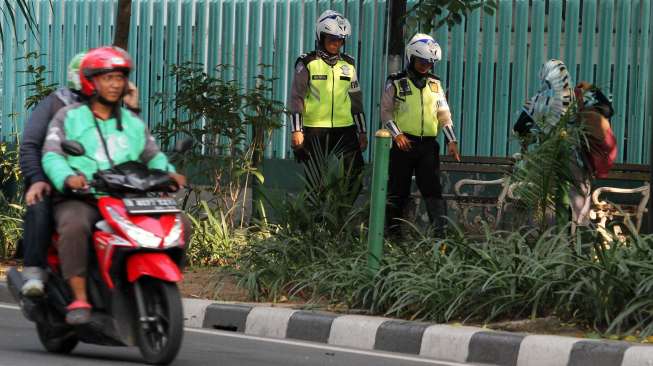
418	79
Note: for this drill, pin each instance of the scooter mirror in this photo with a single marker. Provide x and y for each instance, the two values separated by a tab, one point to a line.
73	148
183	145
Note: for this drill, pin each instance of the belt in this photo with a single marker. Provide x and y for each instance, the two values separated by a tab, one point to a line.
421	138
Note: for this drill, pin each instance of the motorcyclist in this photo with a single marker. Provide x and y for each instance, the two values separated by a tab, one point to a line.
37	226
414	108
110	135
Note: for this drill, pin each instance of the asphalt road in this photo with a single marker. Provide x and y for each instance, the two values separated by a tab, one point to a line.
19	346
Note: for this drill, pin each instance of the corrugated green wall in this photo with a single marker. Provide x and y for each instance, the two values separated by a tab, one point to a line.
490	63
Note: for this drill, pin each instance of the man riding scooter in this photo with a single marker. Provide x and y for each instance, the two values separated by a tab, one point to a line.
111	135
37	229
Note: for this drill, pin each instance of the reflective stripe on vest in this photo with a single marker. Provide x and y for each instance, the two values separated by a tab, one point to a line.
416	110
327	103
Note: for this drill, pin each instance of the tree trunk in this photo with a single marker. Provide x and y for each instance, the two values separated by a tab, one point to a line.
123	19
650	156
650	162
396	41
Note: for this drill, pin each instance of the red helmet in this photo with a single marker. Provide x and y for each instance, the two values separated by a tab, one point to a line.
100	61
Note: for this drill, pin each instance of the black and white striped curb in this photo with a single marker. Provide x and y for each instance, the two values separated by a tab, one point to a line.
441	342
436	341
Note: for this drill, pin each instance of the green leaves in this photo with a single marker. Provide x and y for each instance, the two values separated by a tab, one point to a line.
230	126
545	174
428	14
38	88
10	9
213	242
503	275
11	195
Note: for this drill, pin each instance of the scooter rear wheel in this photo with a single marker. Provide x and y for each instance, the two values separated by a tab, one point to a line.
56	341
160	330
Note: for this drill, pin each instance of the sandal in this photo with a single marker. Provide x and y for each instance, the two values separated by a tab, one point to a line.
78	312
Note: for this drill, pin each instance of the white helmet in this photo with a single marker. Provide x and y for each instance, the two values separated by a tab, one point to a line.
423	46
333	23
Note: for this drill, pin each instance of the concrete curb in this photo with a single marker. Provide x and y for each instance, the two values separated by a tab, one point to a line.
443	342
437	341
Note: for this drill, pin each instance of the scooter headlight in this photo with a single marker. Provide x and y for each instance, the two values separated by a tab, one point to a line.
142	237
172	239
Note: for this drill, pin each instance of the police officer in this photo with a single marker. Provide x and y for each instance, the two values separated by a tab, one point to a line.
326	103
414	108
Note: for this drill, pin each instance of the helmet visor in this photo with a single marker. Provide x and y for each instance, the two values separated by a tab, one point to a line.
423	61
333	38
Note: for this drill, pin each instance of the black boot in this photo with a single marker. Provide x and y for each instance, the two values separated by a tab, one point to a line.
393	213
437	211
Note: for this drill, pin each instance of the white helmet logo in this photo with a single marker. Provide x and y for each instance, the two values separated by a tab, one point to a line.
118	61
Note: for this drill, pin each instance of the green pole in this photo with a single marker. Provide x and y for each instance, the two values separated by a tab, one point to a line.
382	143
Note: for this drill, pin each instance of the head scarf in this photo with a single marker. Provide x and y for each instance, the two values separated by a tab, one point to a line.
554	96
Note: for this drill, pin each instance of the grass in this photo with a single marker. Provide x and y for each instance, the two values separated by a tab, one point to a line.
500	276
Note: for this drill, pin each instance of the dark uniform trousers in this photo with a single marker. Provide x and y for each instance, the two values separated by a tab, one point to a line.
344	140
423	161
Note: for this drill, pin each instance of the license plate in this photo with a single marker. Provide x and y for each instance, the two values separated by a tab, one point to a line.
139	206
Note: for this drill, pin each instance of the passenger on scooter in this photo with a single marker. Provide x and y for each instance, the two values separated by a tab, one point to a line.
37	226
111	135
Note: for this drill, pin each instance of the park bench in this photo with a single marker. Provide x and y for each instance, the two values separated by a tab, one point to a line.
475	203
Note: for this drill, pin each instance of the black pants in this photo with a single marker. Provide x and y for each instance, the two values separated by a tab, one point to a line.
37	233
319	141
423	161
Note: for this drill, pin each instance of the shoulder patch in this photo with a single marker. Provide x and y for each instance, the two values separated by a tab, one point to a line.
435	86
347	58
404	88
306	58
397	76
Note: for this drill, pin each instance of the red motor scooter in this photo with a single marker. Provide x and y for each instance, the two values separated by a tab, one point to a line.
134	268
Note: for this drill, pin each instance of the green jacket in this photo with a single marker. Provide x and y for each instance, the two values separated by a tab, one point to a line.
75	122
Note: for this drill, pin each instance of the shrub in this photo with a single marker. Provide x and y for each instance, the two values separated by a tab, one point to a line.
230	126
214	242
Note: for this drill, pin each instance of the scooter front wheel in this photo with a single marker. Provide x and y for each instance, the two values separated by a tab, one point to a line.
160	320
56	341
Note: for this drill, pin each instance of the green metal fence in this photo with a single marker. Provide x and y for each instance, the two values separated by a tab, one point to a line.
489	65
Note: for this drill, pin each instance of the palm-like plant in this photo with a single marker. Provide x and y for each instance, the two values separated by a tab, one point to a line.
10	9
544	174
